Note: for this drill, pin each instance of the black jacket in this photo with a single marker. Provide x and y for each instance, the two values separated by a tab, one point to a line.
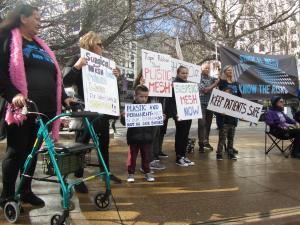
170	108
8	90
138	135
73	77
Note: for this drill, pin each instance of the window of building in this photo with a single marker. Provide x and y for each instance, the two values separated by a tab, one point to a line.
294	44
261	47
251	24
293	30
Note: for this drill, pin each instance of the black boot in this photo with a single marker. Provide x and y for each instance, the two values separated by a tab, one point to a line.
32	199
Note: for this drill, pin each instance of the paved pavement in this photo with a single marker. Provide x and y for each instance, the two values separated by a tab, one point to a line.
256	189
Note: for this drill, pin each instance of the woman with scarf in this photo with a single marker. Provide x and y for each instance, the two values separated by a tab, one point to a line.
283	127
29	70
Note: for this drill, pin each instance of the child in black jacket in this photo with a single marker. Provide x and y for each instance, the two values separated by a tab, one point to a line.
139	139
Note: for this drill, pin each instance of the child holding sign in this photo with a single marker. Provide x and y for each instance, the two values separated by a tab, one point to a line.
139	139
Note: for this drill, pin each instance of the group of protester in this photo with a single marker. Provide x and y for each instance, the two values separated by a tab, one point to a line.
29	70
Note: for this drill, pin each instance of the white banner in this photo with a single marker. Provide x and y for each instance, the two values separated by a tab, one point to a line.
187	101
143	115
100	85
157	73
234	106
194	70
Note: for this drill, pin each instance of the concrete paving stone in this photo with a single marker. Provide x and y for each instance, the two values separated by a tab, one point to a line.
256	189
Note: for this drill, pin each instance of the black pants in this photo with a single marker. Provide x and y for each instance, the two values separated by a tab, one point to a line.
204	125
181	136
20	141
162	132
101	127
288	134
226	132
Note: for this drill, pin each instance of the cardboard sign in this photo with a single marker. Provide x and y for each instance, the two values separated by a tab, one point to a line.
157	73
143	115
234	106
187	101
100	85
194	70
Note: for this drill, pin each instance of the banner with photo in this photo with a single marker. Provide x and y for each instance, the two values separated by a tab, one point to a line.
231	105
143	115
262	76
100	85
187	101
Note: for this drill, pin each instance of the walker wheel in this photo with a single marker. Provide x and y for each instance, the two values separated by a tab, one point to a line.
103	201
12	211
56	220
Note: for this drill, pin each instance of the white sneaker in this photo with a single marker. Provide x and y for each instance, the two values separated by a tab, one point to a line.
189	162
149	177
181	162
130	178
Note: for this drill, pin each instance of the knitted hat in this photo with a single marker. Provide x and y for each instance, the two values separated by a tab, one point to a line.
274	100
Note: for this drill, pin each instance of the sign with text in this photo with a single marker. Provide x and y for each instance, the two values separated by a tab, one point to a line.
234	106
157	73
194	70
100	85
262	76
187	101
143	115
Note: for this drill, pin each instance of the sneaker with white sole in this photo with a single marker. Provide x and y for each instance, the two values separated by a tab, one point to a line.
156	165
162	155
181	162
130	178
149	177
189	162
142	171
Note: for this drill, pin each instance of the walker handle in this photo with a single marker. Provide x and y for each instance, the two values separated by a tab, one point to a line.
84	114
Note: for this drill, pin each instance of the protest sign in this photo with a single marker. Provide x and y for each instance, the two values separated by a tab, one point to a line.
100	85
194	70
143	115
187	101
157	73
234	106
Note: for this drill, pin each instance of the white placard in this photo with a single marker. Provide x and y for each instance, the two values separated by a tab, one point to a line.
157	73
187	101
194	70
234	106
100	85
143	115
